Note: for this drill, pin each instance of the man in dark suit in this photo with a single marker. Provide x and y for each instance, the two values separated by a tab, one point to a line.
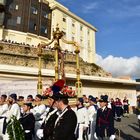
28	121
105	121
62	126
47	128
46	131
66	122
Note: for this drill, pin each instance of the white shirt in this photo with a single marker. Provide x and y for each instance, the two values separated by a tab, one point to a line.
98	104
109	105
39	111
3	110
92	113
14	109
82	116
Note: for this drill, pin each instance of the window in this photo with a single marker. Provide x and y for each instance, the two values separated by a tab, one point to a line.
81	27
16	7
32	26
73	38
43	29
12	22
88	43
88	31
64	31
35	27
18	20
46	31
13	6
45	14
34	10
81	41
73	25
64	19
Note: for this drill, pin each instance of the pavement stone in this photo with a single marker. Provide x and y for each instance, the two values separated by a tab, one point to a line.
128	127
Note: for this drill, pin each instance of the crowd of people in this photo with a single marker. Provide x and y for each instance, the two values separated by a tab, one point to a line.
90	119
48	48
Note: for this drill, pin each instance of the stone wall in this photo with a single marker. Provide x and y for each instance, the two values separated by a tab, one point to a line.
21	55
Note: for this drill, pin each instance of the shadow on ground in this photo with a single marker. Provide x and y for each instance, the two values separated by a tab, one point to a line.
126	136
135	128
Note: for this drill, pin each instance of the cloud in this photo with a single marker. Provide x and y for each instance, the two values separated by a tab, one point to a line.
120	66
126	11
118	9
89	7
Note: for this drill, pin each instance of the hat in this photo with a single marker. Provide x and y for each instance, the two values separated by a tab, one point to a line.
103	98
28	104
58	85
39	96
58	96
20	97
56	88
29	96
91	98
13	96
4	96
81	100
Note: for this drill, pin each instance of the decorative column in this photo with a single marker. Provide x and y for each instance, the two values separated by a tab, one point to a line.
57	35
78	84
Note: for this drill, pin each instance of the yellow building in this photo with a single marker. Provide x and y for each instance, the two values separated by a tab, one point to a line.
75	29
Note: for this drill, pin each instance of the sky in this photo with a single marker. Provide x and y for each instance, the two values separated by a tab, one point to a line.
118	36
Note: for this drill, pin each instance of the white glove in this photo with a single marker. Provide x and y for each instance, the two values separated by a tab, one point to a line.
112	137
95	136
39	133
138	117
27	131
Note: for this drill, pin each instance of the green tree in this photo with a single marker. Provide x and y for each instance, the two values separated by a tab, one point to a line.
15	130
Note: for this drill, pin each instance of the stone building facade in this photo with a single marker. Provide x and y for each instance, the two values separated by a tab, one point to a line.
33	21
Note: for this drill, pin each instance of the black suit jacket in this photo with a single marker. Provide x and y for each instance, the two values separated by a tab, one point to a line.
48	126
104	123
28	123
64	130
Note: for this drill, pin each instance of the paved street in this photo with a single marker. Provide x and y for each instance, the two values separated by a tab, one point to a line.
128	127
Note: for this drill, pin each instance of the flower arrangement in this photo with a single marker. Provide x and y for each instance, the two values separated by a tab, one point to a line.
65	90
